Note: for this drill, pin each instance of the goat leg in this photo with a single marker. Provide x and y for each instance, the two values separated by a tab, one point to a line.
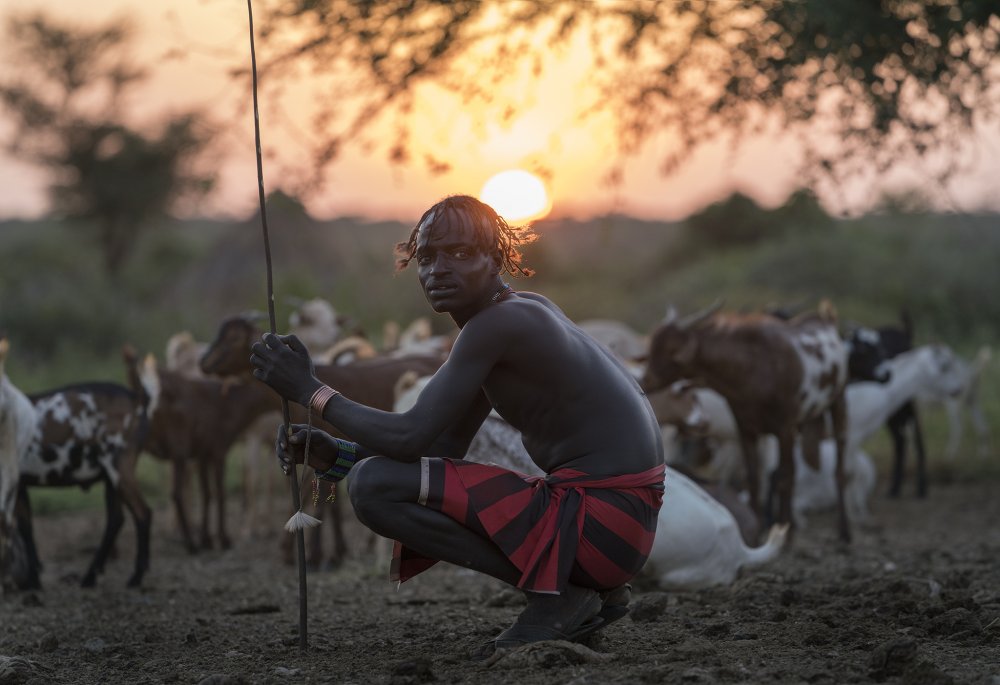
180	484
26	530
205	481
142	516
918	448
897	428
219	469
115	519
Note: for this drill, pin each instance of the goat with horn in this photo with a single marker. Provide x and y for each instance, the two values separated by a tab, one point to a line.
778	377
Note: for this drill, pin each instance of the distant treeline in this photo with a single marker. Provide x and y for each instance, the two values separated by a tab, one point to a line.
67	319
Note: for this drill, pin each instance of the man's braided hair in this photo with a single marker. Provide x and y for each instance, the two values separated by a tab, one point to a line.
492	233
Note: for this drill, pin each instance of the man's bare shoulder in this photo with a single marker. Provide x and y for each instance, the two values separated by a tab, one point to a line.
516	316
541	299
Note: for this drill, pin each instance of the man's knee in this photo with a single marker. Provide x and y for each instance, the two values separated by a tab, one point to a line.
378	481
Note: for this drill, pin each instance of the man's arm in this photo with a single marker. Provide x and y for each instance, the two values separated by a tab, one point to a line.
454	442
447	413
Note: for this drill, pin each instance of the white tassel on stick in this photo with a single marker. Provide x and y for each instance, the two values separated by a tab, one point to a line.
300	521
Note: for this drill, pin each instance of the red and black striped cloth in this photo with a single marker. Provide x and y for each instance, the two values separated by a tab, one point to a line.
596	529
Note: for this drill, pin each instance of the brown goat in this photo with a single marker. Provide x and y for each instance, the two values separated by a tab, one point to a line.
368	381
778	377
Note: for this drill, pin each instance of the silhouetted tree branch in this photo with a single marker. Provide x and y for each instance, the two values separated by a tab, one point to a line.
68	106
862	83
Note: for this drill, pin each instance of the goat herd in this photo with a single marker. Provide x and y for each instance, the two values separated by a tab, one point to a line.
764	418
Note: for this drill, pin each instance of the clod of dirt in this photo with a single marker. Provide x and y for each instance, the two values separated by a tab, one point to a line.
925	673
18	669
95	645
649	607
891	658
955	623
48	643
412	671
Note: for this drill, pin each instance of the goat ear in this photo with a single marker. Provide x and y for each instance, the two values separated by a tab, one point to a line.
692	320
685	355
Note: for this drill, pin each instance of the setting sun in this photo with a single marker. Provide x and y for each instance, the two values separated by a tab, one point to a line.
516	195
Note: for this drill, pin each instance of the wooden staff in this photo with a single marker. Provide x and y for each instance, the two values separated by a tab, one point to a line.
296	499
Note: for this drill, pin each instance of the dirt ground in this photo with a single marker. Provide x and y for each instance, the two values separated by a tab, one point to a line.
915	599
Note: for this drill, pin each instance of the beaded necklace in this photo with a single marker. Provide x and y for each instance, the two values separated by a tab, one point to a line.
502	292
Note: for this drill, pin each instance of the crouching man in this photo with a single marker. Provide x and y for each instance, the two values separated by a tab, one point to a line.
571	540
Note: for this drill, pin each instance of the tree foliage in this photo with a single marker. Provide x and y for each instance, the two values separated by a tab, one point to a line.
68	102
863	84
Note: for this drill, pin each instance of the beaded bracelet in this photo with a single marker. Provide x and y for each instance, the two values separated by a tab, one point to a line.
347	457
319	398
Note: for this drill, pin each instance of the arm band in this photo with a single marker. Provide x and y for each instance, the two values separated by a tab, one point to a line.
319	398
347	457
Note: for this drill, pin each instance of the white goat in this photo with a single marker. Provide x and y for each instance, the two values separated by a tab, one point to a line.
316	324
183	353
967	399
697	543
17	427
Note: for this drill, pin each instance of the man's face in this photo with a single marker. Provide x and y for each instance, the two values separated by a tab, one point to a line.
455	273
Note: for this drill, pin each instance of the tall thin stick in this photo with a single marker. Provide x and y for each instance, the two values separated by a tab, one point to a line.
300	544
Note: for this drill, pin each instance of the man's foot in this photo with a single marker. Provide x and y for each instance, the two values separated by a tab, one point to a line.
614	605
548	617
614	602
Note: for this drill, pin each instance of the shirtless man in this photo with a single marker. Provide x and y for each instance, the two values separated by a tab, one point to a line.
571	540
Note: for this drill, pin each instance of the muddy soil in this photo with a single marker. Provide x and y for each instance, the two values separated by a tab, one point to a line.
915	599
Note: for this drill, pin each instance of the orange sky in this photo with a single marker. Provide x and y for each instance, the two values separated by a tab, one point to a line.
213	34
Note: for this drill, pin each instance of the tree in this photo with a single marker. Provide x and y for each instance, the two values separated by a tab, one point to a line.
68	101
863	84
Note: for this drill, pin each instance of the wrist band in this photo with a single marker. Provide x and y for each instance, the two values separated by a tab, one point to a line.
321	397
347	457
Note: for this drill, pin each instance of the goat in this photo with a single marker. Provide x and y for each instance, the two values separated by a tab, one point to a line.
698	542
369	381
316	323
84	434
182	355
622	340
865	362
894	340
199	420
416	339
777	377
966	399
17	428
932	369
347	350
928	369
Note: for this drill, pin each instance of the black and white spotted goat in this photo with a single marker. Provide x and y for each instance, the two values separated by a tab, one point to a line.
85	434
